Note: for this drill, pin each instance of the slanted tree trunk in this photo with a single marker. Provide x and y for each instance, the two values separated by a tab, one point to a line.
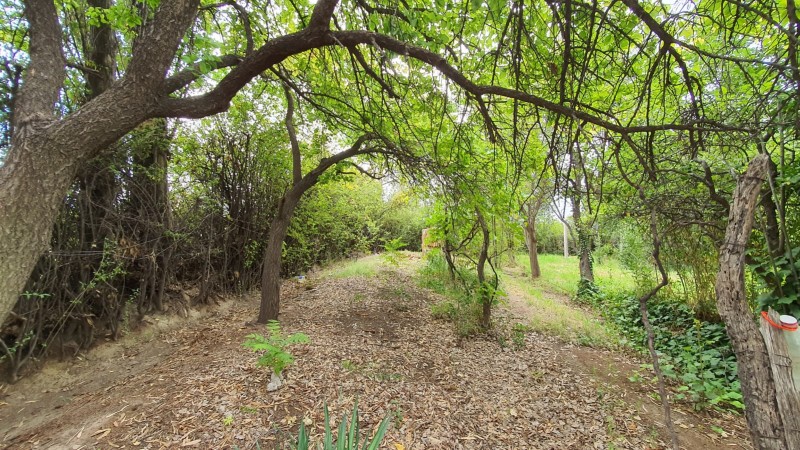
271	272
758	386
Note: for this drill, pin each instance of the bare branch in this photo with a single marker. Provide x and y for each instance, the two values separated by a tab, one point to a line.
363	62
185	77
322	15
244	17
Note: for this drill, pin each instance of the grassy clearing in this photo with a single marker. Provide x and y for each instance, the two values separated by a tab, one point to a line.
551	314
548	297
361	267
561	275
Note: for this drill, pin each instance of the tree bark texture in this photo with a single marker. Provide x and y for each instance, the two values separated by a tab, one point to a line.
46	152
531	241
758	385
271	272
584	242
486	299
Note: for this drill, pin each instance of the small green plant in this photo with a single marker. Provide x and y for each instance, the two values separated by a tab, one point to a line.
273	349
518	335
391	252
227	420
397	414
348	436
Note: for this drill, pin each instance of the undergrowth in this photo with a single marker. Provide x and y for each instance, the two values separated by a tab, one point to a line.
360	267
694	354
459	307
554	316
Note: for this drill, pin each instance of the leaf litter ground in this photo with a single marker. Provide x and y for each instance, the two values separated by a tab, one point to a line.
190	383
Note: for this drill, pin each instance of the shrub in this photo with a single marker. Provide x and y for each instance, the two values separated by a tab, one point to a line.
695	354
461	308
274	354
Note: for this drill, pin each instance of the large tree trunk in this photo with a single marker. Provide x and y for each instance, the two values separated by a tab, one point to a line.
271	275
758	386
46	151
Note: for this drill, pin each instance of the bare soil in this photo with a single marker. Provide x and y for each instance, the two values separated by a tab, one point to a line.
189	383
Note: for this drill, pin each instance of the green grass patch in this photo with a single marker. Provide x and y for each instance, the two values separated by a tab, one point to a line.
553	315
361	267
561	275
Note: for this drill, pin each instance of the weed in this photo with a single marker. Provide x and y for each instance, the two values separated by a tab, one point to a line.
695	355
397	414
349	365
274	351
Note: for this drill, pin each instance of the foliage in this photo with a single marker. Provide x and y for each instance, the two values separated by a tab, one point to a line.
459	306
695	354
346	218
348	436
273	348
391	252
779	278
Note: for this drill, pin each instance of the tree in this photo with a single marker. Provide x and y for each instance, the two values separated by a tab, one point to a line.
541	194
271	276
48	148
764	416
723	75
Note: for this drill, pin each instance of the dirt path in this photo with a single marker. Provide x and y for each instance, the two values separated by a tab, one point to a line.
373	338
610	371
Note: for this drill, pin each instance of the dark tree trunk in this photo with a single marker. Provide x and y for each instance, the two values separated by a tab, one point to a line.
271	274
149	203
758	386
584	241
531	240
485	296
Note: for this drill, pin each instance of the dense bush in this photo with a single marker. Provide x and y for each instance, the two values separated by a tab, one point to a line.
346	218
695	354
